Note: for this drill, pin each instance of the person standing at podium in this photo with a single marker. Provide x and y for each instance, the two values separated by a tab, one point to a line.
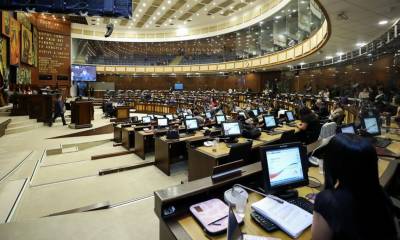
59	110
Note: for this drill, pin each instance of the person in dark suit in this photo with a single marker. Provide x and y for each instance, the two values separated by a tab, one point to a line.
59	110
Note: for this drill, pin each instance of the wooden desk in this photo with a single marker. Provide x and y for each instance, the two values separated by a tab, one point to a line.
182	225
117	133
122	113
128	135
81	114
144	143
168	151
202	160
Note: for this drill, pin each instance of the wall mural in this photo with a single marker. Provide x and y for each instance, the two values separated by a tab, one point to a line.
26	45
14	42
5	23
35	38
3	56
23	75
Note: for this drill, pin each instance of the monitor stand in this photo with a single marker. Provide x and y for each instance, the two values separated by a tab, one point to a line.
286	194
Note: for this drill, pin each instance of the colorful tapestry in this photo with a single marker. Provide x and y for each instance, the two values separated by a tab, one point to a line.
35	38
23	75
3	56
26	45
5	23
15	42
24	20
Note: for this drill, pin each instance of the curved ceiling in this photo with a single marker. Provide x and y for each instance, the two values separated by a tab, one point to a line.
172	20
353	23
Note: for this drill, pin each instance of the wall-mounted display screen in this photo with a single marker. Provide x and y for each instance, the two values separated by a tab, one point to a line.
83	73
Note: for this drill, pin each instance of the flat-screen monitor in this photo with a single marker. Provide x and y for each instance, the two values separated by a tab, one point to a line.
289	116
255	112
191	124
261	109
269	122
371	125
151	116
178	86
146	119
284	166
85	73
169	117
231	129
220	119
241	113
188	116
349	128
208	115
162	122
184	114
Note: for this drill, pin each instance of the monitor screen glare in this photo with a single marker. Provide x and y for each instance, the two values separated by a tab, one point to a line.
371	125
208	115
191	124
220	119
231	129
284	166
270	121
162	122
146	119
348	129
289	116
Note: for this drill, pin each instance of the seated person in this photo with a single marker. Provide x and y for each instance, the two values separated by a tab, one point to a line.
337	113
309	126
199	118
352	206
321	109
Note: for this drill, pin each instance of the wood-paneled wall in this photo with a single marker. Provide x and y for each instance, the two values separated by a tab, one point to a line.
380	72
254	81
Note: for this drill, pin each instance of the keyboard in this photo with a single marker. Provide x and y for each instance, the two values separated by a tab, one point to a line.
269	226
382	142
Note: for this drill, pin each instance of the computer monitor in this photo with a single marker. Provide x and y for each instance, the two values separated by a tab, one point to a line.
241	113
184	114
269	122
371	125
231	129
220	119
146	119
349	128
170	117
284	167
260	109
188	116
208	115
151	116
255	112
191	124
289	116
158	116
162	122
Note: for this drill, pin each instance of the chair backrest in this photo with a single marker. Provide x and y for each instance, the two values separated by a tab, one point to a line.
328	130
240	151
287	137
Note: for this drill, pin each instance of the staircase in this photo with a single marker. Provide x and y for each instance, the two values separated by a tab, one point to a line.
22	124
176	61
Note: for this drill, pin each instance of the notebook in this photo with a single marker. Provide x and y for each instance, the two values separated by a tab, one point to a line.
212	215
288	217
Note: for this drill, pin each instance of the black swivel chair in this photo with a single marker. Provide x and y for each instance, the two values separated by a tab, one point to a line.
287	137
239	151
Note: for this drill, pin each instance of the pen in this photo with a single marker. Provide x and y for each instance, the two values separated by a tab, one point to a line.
219	219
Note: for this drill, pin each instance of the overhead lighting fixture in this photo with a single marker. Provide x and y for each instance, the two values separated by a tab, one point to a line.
339	54
361	44
328	57
383	22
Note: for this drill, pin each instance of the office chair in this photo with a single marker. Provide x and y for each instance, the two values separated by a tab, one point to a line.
239	151
328	130
287	137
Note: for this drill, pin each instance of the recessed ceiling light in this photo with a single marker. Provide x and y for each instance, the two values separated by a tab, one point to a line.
328	57
339	53
383	22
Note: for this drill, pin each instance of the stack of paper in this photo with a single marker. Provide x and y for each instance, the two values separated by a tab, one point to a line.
288	217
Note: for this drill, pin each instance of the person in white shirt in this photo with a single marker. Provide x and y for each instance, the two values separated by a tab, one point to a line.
364	94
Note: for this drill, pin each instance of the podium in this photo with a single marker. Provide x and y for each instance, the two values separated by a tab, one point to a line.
81	114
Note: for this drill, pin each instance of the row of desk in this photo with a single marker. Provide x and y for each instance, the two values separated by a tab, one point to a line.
201	159
181	224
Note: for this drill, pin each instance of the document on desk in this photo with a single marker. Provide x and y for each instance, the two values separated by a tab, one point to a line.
288	217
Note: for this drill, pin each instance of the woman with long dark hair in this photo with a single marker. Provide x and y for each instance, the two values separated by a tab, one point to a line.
353	205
